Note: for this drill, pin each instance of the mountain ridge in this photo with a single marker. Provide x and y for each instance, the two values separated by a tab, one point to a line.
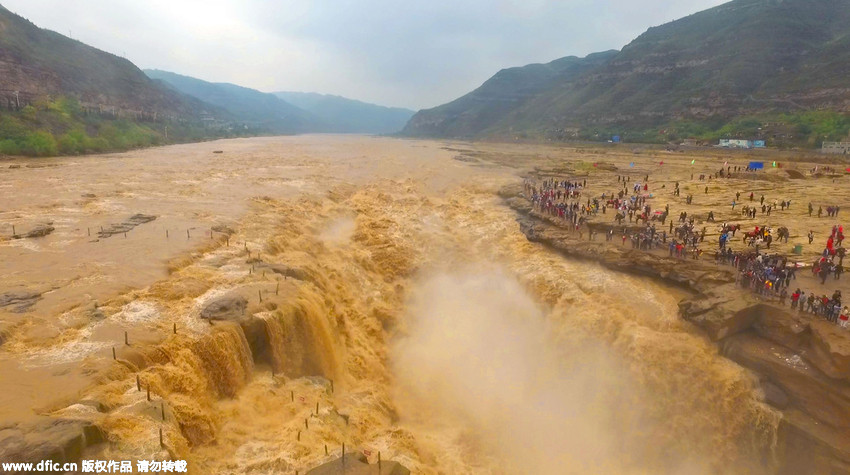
61	96
745	57
36	62
256	109
289	112
345	115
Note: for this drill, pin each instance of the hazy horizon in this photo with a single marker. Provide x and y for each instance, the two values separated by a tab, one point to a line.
412	56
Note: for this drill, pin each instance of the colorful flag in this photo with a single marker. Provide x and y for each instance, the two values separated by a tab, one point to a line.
693	161
632	164
774	164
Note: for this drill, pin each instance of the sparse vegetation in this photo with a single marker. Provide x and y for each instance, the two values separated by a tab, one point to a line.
60	127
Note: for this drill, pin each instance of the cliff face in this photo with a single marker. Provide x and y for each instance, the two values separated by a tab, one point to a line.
744	57
37	63
802	362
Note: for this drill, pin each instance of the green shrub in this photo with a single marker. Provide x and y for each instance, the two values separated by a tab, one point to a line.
12	128
9	147
41	144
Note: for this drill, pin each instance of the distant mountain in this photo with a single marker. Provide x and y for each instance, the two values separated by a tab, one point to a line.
348	115
37	63
743	58
254	108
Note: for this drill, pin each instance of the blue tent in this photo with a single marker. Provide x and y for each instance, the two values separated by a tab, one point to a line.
756	165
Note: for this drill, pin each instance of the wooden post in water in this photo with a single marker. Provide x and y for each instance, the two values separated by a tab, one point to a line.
332	386
13	231
187	235
260	294
298	437
88	230
175	328
291	396
161	443
343	453
317	408
379	462
277	288
138	384
326	449
126	339
113	353
306	424
166	234
162	411
149	393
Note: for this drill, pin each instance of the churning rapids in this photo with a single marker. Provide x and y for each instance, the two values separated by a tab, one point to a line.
385	281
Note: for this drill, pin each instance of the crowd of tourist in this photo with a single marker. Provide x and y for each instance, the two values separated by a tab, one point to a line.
769	275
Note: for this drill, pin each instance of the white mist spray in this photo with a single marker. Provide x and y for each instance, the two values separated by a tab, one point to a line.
479	352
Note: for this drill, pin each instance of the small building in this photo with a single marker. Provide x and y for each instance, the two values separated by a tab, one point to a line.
759	144
735	143
837	148
690	142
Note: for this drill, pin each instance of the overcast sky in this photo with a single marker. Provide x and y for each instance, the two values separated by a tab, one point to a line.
405	53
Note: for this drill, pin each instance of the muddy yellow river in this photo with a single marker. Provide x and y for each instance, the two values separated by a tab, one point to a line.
381	281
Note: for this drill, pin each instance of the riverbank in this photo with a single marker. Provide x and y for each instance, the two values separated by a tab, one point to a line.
802	362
